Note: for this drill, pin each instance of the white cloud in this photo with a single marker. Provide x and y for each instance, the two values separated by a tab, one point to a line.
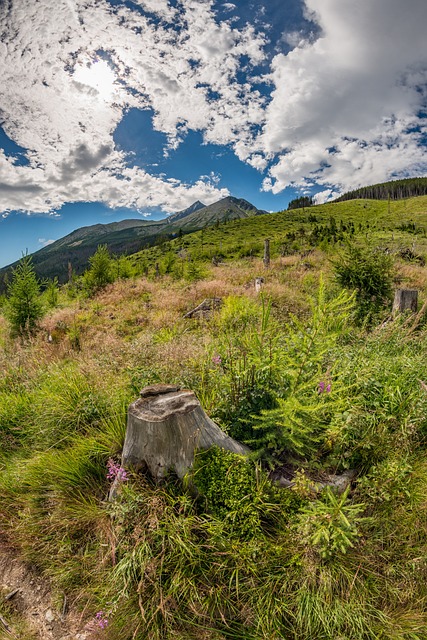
44	242
344	109
60	101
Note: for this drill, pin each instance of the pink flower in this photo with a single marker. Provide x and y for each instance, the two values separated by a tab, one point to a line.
115	471
101	620
323	387
216	359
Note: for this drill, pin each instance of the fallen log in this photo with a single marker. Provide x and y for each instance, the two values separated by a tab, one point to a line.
205	308
165	427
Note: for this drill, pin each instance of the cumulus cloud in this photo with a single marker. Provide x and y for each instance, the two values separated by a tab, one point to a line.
345	108
70	74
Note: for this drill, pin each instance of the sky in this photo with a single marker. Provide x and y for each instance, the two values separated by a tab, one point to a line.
113	109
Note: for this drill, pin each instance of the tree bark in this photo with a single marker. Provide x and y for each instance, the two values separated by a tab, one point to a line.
404	300
165	426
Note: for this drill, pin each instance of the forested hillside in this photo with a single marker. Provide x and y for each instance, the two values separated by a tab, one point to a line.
393	190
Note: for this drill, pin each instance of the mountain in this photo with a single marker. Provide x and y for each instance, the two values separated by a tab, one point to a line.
196	206
129	236
226	209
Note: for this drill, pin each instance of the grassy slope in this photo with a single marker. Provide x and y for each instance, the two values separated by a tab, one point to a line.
245	237
156	562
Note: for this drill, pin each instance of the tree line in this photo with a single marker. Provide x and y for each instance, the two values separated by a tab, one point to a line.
394	190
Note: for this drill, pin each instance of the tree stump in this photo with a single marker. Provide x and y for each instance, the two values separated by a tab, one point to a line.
404	300
165	426
258	284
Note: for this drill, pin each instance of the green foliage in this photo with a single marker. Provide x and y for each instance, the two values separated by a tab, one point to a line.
100	272
74	334
248	348
239	493
51	293
330	525
388	481
394	189
194	271
121	268
23	308
368	272
309	392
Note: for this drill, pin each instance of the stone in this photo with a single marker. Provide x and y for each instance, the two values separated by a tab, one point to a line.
49	616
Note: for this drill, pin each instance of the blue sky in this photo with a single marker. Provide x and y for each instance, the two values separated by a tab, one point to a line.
113	109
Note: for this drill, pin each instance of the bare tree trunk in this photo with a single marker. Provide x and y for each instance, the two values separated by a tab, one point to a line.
165	426
404	300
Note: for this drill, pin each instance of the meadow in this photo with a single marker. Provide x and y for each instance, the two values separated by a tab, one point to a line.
314	374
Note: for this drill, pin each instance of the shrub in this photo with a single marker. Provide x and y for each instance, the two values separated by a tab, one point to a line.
239	493
52	293
330	525
369	272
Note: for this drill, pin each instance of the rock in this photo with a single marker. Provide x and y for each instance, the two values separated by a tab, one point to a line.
339	482
49	616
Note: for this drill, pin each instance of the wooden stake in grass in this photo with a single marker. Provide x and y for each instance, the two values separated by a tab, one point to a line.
266	259
165	426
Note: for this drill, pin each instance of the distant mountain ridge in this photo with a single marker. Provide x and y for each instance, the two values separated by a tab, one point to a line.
129	236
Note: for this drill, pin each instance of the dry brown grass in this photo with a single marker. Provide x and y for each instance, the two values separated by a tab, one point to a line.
138	324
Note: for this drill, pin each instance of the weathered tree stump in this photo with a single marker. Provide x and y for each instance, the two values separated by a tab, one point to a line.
266	259
404	300
165	426
259	282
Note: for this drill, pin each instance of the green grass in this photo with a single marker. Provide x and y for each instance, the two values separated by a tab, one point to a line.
376	221
243	559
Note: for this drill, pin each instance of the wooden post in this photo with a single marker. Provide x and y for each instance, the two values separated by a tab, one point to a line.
165	426
266	253
157	270
404	300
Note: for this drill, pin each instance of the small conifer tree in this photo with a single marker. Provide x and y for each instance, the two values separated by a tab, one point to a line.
23	307
100	272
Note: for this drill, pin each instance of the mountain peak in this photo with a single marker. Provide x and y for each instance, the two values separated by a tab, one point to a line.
186	212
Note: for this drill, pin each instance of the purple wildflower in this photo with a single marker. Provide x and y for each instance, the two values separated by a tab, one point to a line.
101	620
323	387
115	471
216	359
